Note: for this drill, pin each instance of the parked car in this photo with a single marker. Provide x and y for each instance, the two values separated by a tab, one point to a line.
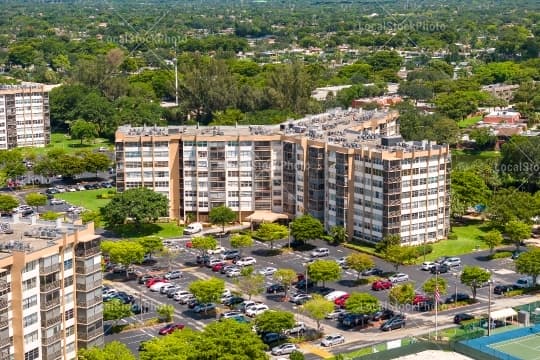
175	274
235	272
170	328
204	308
526	282
180	294
303	283
381	285
352	320
427	265
323	290
301	299
298	328
268	271
493	324
397	322
156	287
503	289
154	280
335	294
55	201
246	261
372	272
193	228
335	314
439	269
229	314
420	298
457	297
320	252
173	290
231	254
340	301
284	349
383	314
217	267
399	277
210	263
452	262
166	288
227	268
458	318
275	288
217	250
331	340
233	301
256	310
272	338
342	262
427	305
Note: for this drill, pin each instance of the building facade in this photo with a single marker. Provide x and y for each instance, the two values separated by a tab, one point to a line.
50	290
347	168
24	116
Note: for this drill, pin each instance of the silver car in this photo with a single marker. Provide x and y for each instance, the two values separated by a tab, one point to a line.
283	349
331	340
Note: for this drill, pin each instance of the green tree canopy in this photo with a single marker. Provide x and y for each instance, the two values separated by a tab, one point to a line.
203	243
388	240
528	263
517	231
359	262
324	270
115	310
510	204
285	277
241	241
339	235
271	232
114	350
474	277
317	308
251	284
362	303
305	228
274	321
151	244
166	312
401	294
221	215
125	252
83	130
399	255
492	239
207	291
433	283
140	205
36	199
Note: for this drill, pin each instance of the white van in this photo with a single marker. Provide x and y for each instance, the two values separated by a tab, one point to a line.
193	228
526	282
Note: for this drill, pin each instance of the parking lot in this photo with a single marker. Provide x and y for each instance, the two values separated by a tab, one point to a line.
186	262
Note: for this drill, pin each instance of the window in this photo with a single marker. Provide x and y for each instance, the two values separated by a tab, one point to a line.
68	264
29	284
30	266
29	302
69	314
32	354
70	330
30	319
30	338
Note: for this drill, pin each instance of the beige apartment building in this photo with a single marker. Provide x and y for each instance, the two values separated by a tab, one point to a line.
50	289
345	167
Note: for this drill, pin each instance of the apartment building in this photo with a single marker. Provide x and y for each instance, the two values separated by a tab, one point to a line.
24	116
346	167
50	289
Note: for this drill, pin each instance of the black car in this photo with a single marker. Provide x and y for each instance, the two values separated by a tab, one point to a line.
502	289
233	301
457	297
272	338
192	304
397	322
462	317
428	305
203	259
493	323
324	290
275	288
143	279
372	272
352	320
439	269
302	284
383	314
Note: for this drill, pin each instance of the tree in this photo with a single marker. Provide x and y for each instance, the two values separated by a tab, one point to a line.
91	216
529	263
317	308
285	277
324	270
474	277
221	215
169	255
271	232
166	312
8	203
203	243
510	204
125	252
11	165
151	244
83	130
305	228
274	321
115	310
50	215
36	199
400	295
140	205
362	303
359	262
95	161
252	284
111	351
483	138
388	240
399	255
296	355
339	235
207	291
241	241
517	231
492	239
469	188
435	283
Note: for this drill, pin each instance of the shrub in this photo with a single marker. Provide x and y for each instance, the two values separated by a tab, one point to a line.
296	355
50	215
424	249
452	236
516	292
363	249
501	255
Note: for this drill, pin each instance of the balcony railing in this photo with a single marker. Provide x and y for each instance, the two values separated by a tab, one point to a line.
4	285
4	323
51	339
90	302
87	252
49	269
88	319
52	355
3	302
53	285
5	341
88	269
89	285
49	304
51	320
89	335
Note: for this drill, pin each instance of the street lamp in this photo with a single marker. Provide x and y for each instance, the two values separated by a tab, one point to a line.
456	274
490	282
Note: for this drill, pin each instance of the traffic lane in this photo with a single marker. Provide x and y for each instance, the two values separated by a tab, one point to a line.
133	338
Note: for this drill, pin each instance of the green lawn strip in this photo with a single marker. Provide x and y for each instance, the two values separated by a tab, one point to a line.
86	198
465	123
63	141
163	230
469	156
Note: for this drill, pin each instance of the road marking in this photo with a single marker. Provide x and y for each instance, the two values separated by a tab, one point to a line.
316	350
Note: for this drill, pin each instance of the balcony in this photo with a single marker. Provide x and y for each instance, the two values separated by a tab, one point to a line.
89	285
49	304
54	285
4	323
87	269
5	341
51	338
51	355
90	302
50	320
84	319
87	252
87	336
3	302
49	269
4	285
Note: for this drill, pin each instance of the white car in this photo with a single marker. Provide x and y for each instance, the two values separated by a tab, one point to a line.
179	295
226	292
335	294
246	261
342	262
193	228
320	252
234	272
218	250
157	286
335	314
256	310
399	277
224	298
334	339
268	271
175	274
283	349
452	262
56	201
298	296
230	314
427	265
249	303
166	288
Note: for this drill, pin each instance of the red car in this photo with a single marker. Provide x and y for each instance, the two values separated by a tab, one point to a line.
152	281
170	328
381	285
420	298
217	267
340	301
189	244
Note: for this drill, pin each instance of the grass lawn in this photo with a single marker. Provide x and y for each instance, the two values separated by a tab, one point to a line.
469	239
465	123
86	198
163	230
63	141
468	156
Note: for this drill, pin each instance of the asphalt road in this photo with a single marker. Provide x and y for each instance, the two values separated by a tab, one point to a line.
502	271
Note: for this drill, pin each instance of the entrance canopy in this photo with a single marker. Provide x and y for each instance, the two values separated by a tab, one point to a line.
265	216
503	314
